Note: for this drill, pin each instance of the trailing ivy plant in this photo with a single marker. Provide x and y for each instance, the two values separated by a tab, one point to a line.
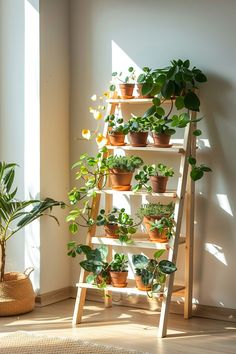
197	172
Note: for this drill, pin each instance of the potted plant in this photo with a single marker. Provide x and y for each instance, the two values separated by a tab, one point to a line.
116	130
138	128
158	174
119	270
121	169
158	220
148	84
117	224
150	274
127	83
95	263
16	292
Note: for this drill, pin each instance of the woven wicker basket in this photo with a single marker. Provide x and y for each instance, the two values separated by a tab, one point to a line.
16	294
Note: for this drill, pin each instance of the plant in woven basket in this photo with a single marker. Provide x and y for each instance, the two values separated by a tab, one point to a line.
15	214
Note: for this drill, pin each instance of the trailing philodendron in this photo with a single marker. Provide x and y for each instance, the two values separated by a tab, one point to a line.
150	274
158	220
116	129
158	174
118	224
121	169
95	263
127	82
119	270
15	214
197	172
138	128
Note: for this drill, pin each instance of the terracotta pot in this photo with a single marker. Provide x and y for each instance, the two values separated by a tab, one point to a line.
119	279
16	294
161	140
139	138
140	285
155	235
159	183
101	279
139	90
120	180
117	139
110	230
127	90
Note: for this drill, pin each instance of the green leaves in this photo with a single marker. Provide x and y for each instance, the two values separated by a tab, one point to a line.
168	89
179	102
191	101
167	267
197	172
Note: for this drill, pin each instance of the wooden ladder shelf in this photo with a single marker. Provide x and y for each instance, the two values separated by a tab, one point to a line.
183	197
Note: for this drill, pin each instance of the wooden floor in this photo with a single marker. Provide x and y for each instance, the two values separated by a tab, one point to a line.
128	328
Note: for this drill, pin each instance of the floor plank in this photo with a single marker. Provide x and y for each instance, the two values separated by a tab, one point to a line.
128	328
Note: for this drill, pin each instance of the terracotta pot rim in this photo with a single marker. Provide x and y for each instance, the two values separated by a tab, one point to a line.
115	133
116	171
126	84
157	177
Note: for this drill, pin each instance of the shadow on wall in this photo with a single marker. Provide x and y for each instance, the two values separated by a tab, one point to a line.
216	229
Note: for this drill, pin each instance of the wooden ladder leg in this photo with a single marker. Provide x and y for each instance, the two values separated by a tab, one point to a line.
79	306
178	215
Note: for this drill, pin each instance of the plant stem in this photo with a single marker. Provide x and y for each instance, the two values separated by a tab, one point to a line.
3	260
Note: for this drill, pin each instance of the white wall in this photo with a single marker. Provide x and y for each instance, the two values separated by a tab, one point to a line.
12	106
54	141
34	130
151	33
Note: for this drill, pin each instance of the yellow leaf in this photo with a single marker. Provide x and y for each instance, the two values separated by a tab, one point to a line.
94	97
86	134
101	140
97	115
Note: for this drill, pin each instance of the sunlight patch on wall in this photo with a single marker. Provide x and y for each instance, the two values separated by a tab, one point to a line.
121	61
224	203
216	251
32	133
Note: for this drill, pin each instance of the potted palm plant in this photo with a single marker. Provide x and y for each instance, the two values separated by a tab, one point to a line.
121	169
16	292
138	128
119	270
150	273
117	130
158	220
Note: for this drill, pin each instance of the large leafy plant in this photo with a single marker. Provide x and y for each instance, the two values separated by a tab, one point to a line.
119	263
95	263
116	125
152	271
15	214
138	124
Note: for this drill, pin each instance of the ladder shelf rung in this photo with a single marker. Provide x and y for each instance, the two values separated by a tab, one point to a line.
139	242
131	289
134	100
148	148
169	194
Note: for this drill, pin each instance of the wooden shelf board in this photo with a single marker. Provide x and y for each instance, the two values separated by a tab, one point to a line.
131	289
173	149
169	194
134	100
139	241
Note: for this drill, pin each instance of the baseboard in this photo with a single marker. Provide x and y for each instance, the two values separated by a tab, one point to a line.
211	312
53	296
